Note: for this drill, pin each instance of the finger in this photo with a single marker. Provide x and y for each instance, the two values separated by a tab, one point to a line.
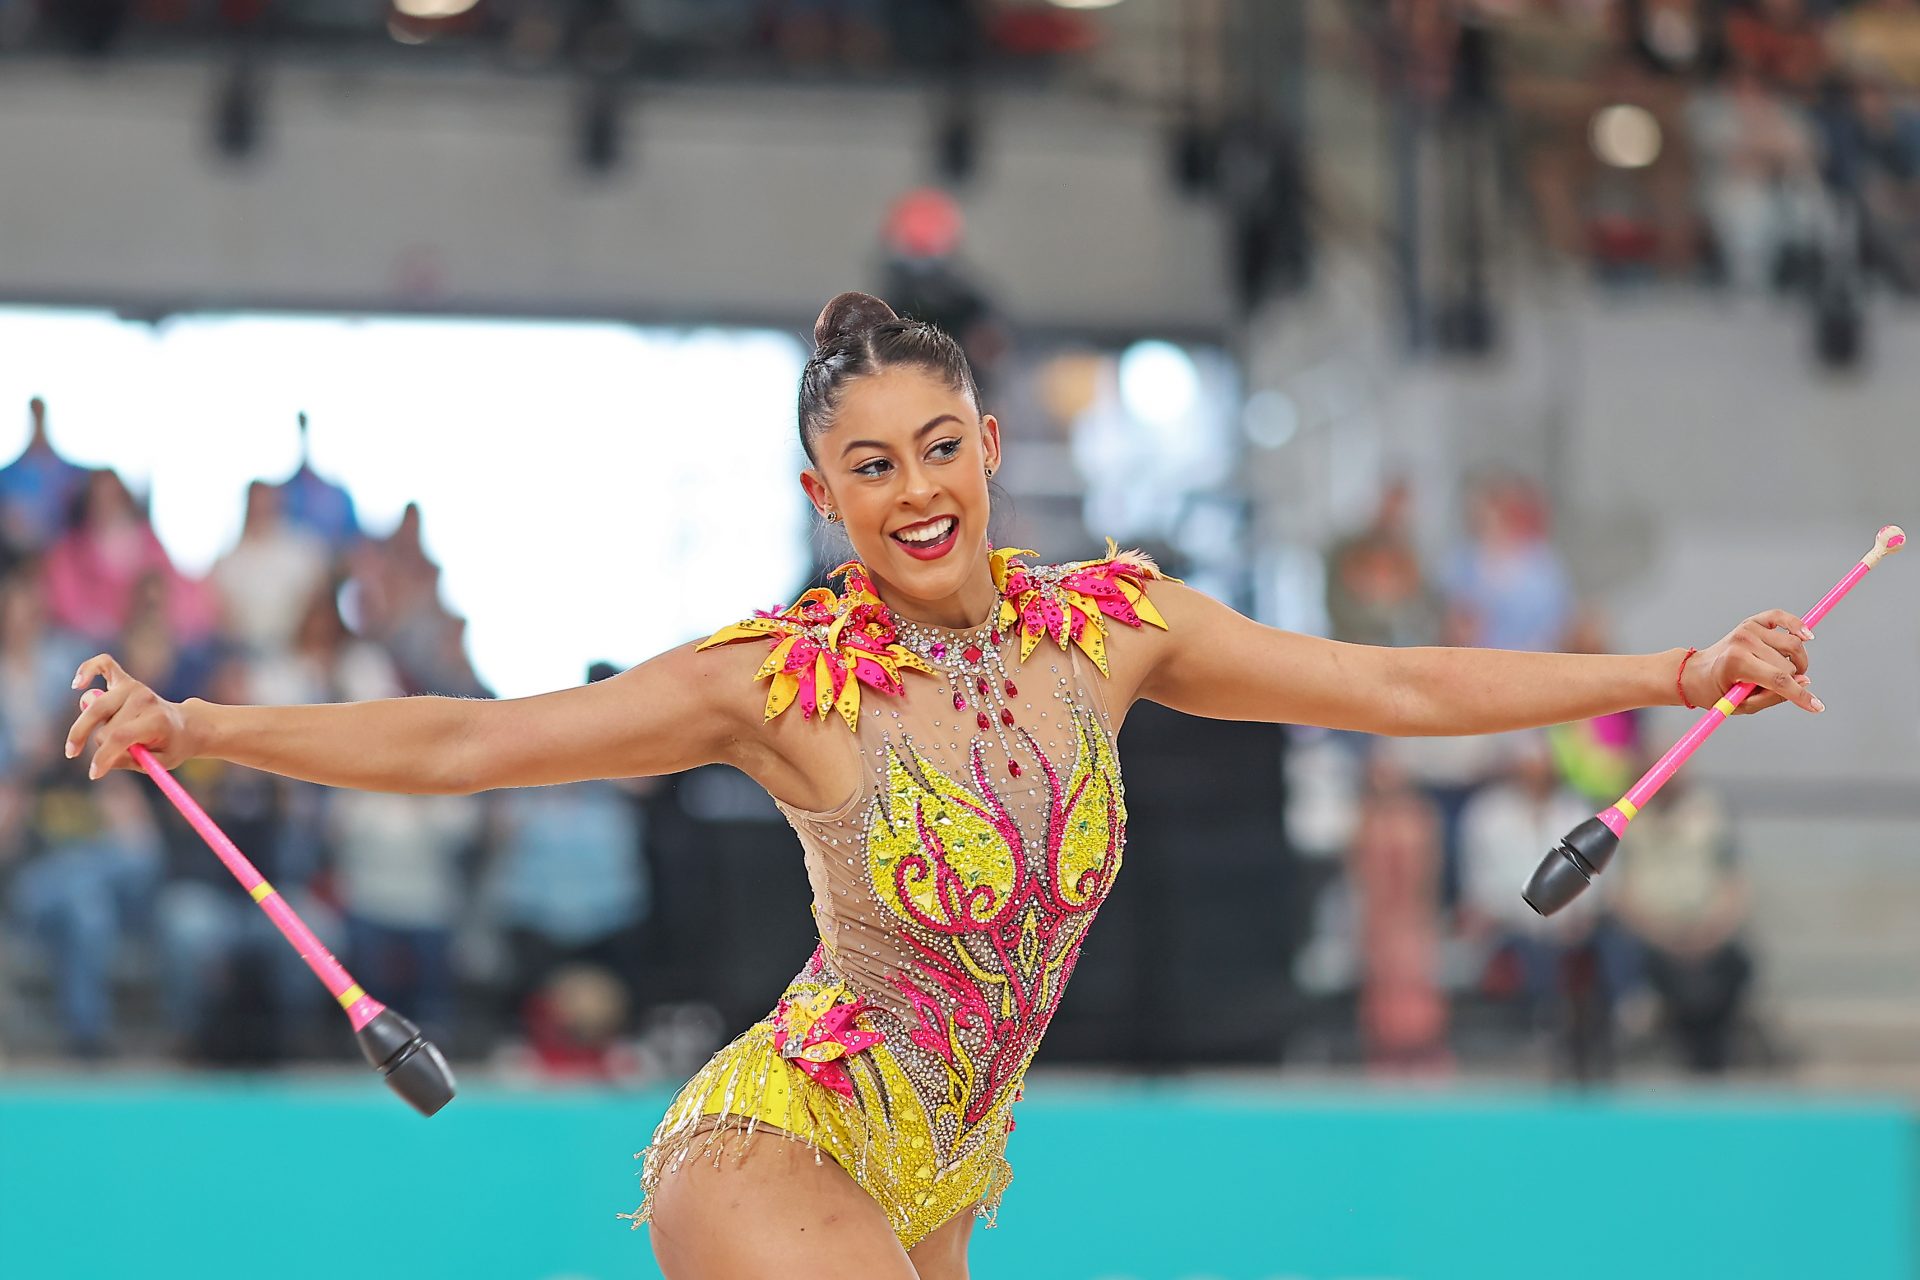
98	666
1786	643
96	709
1781	618
115	746
1769	670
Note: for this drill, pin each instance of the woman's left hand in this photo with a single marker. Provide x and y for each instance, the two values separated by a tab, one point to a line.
1770	650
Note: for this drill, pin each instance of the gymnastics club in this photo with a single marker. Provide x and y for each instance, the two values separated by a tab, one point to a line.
411	1063
1584	852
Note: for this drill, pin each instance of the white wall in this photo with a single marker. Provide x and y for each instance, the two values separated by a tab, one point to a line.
460	193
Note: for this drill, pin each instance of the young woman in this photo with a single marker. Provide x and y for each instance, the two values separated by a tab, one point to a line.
941	735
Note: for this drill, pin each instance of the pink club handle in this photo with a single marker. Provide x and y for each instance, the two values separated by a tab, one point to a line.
360	1007
1889	539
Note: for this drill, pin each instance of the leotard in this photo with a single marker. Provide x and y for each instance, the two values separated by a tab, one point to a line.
952	890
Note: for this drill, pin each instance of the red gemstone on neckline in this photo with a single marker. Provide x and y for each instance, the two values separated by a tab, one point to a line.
971	653
1013	767
1006	716
1011	691
981	718
959	703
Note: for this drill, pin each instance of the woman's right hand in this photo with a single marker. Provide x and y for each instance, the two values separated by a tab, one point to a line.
127	712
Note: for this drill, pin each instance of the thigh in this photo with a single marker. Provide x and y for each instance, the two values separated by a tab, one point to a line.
942	1255
774	1212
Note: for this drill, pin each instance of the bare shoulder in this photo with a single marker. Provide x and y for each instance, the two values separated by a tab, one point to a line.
1136	653
1112	607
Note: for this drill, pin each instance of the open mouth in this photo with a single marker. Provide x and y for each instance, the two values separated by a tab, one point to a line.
929	539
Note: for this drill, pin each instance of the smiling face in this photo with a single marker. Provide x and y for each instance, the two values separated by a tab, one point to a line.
909	455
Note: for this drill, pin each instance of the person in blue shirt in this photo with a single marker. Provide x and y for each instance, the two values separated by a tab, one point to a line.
311	501
36	489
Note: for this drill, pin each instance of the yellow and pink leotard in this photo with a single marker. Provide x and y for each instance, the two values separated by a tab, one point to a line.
952	890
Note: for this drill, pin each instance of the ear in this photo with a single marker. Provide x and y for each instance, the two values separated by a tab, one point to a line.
816	489
990	440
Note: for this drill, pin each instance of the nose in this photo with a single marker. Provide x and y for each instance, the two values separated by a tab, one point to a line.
917	485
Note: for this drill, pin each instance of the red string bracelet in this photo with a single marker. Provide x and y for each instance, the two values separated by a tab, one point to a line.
1680	677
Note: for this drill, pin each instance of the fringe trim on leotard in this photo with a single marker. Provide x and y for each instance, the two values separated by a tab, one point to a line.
853	1134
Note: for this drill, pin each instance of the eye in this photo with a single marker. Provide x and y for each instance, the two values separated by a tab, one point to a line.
866	468
950	447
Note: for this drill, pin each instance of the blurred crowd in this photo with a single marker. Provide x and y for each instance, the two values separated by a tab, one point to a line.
517	923
1770	143
1427	841
536	897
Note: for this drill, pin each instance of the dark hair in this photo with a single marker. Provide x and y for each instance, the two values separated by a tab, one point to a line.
856	335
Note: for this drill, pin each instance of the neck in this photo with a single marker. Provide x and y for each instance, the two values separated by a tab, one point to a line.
970	606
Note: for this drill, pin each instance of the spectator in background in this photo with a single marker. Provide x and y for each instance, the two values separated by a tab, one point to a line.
397	591
1677	889
325	662
1448	771
1376	590
1395	864
1781	43
267	580
570	882
86	883
37	662
1758	170
402	889
36	490
92	573
310	501
1598	758
1571	966
1879	40
1508	581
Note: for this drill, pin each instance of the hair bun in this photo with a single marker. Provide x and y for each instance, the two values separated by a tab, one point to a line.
847	314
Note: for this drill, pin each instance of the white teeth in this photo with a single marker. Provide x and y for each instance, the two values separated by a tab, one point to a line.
932	533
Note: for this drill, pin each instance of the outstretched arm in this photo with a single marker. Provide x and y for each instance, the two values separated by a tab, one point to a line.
1213	661
675	711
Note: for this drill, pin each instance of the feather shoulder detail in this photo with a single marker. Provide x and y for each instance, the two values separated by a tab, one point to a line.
825	646
1066	601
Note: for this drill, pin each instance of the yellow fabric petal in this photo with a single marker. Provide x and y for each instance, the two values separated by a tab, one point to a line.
1144	607
785	689
751	629
1008	614
1029	637
822	686
777	659
849	704
1094	645
833	632
905	657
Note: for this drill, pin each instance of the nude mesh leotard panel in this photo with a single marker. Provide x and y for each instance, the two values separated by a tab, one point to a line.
952	893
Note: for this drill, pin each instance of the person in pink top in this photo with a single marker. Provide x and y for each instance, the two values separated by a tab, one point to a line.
92	572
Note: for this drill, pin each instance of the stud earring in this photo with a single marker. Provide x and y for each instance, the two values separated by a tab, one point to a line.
833	517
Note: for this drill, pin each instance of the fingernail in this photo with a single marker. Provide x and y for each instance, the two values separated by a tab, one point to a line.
1805	634
72	750
93	772
1819	705
75	684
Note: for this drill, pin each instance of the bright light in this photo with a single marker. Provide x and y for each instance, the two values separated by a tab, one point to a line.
1625	136
1270	418
592	491
433	8
1158	383
1085	4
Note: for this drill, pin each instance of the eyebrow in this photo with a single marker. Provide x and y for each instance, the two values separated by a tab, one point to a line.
881	444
